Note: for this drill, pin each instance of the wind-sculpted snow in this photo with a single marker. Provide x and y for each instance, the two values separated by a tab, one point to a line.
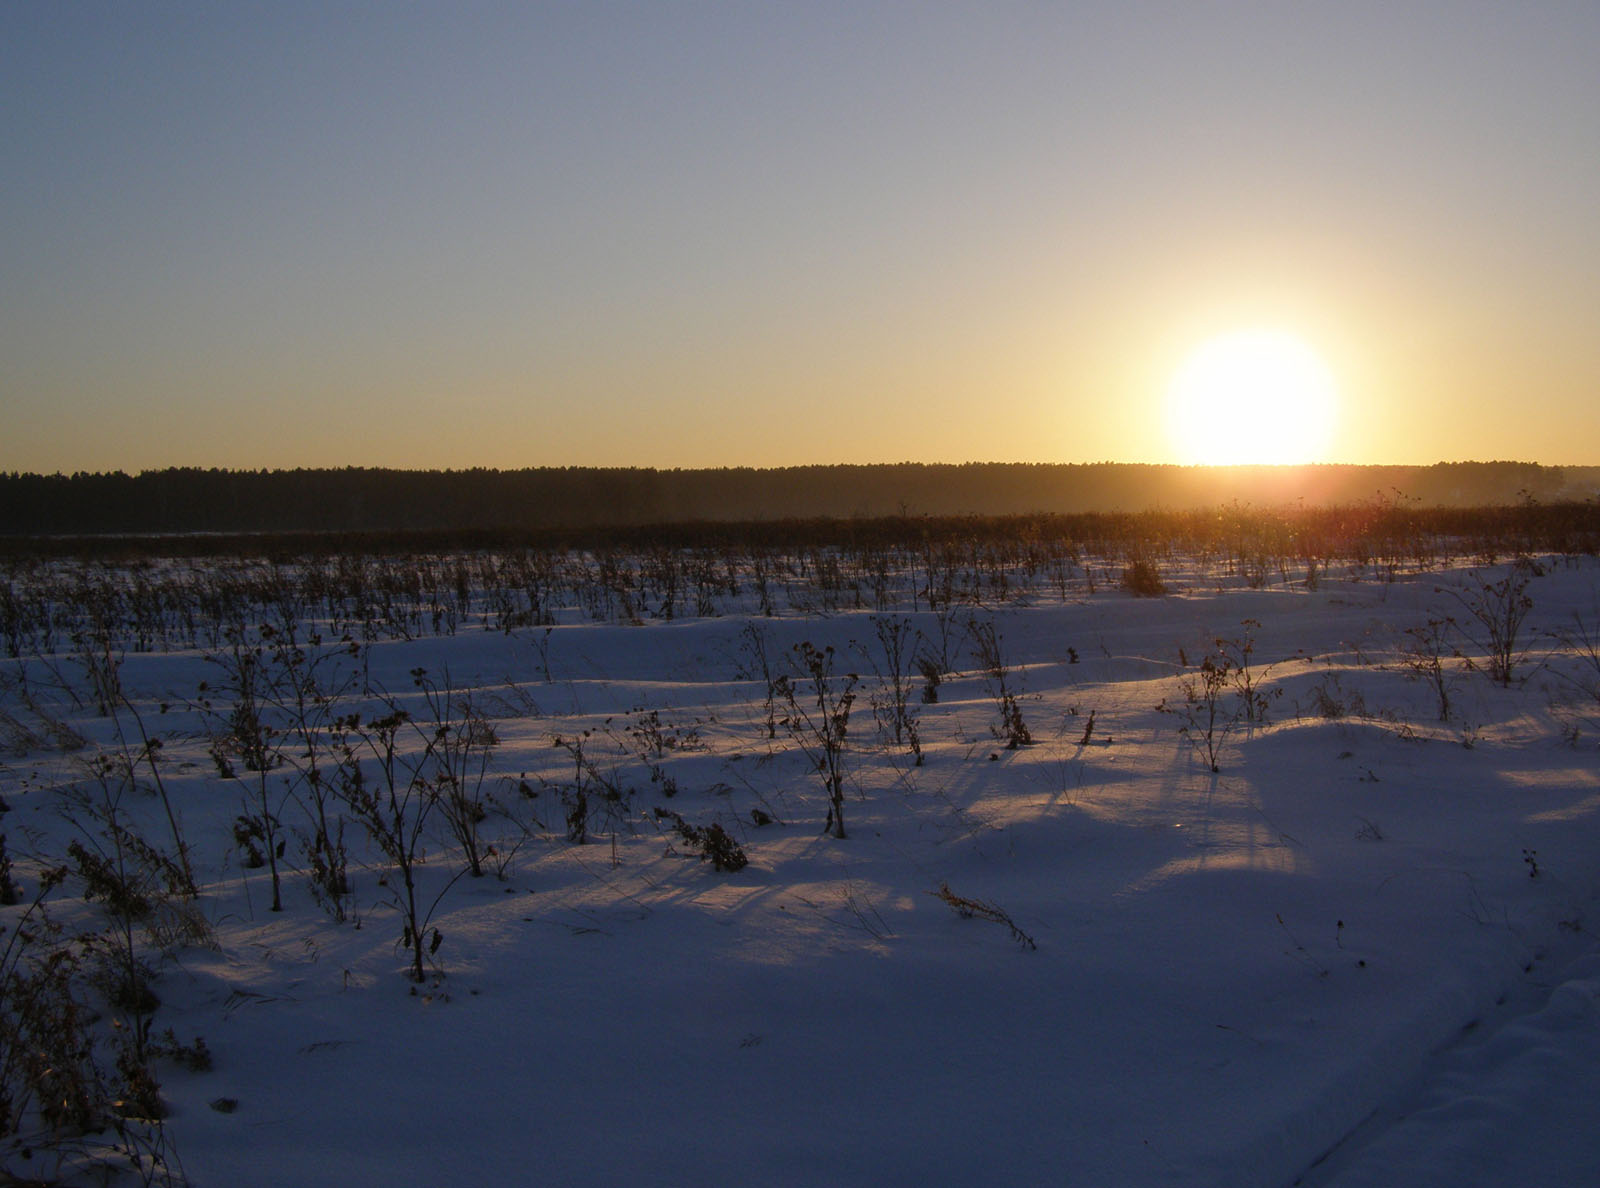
1357	952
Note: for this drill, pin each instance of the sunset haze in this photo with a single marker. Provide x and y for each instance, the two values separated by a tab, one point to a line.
709	235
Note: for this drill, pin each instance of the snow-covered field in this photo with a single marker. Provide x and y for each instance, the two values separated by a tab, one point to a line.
1362	951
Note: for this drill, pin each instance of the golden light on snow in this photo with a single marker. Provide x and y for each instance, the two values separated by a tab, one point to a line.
1254	396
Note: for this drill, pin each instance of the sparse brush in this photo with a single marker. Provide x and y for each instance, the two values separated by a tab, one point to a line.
48	1075
101	661
712	842
139	889
755	646
892	661
593	790
254	733
1088	730
1207	719
1142	579
1423	656
1495	614
395	809
1583	640
309	683
136	882
977	909
1248	682
987	650
10	893
463	741
822	732
19	737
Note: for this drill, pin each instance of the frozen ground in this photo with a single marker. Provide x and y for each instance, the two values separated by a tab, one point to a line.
1362	952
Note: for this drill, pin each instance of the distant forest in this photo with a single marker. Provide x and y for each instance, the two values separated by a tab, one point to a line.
376	500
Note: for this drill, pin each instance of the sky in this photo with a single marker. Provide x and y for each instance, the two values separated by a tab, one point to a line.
756	234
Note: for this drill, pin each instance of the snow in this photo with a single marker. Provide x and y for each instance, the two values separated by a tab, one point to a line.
1360	953
1516	1107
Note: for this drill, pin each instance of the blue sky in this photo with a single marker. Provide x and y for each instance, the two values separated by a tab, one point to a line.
765	234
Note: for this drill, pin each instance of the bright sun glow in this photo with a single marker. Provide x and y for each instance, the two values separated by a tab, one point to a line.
1257	396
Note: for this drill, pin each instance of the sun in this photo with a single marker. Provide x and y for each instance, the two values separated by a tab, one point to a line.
1252	397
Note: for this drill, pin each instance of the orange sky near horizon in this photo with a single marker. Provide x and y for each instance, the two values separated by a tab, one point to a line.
723	235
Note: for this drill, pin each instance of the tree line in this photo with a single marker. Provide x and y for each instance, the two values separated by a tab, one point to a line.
355	499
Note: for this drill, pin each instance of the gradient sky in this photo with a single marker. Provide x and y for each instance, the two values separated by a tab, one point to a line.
685	234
